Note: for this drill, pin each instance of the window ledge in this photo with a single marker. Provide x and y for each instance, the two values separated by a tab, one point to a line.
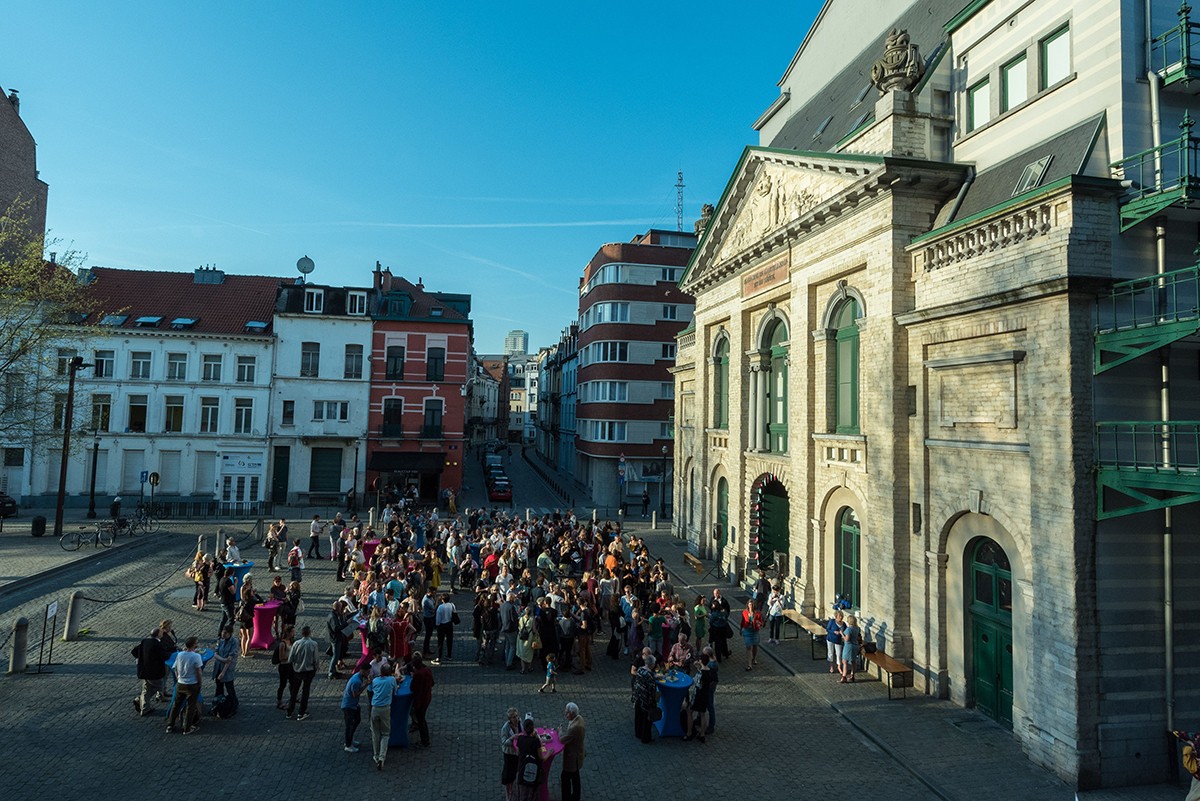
839	437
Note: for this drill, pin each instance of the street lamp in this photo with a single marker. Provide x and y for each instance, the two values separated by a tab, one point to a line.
73	366
663	512
95	457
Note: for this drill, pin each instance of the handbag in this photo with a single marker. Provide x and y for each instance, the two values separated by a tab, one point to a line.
454	619
655	714
869	647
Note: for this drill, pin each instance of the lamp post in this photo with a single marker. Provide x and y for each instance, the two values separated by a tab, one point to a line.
91	513
663	486
75	365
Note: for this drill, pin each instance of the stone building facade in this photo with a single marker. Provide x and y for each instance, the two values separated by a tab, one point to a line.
926	370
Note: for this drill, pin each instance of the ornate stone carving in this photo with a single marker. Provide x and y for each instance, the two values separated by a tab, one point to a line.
706	215
778	196
901	66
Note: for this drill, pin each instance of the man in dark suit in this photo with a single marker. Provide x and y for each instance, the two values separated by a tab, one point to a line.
151	657
573	753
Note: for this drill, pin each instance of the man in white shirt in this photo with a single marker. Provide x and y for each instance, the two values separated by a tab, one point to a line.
231	551
189	666
444	620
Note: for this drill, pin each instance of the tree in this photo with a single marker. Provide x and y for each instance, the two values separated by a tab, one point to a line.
42	304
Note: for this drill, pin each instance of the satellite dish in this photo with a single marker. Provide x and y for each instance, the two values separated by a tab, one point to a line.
305	265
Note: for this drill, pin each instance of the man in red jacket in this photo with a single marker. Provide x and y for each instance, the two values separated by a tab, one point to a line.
422	690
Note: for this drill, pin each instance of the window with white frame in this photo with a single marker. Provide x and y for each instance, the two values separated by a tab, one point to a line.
331	410
670	274
243	415
666	389
177	367
607	430
606	352
210	414
668	350
670	311
101	412
64	360
314	301
139	364
60	411
211	367
356	303
604	391
289	413
246	368
354	362
173	414
105	361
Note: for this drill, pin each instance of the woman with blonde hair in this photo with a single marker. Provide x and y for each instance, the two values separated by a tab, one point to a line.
250	599
851	643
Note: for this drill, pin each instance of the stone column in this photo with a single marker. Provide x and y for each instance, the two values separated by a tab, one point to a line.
752	434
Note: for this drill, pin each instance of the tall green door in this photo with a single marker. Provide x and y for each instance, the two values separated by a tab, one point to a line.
722	516
991	631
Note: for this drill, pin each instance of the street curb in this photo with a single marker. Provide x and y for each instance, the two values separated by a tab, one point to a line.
25	582
933	786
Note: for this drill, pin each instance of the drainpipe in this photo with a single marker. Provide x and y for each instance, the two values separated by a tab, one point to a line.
962	193
1155	131
1160	240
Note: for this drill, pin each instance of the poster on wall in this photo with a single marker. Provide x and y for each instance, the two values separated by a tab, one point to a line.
649	472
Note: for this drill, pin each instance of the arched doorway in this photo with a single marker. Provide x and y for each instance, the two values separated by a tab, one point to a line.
989	579
769	522
721	535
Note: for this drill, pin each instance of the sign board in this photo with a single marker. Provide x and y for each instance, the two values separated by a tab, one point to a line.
145	476
244	464
768	276
154	479
51	609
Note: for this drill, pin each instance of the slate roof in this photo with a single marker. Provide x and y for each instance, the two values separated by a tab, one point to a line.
223	308
924	22
291	299
1069	151
424	302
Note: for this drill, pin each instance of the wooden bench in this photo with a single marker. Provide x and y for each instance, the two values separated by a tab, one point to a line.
695	564
900	675
814	628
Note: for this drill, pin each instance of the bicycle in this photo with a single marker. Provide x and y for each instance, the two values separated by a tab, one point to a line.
101	536
143	518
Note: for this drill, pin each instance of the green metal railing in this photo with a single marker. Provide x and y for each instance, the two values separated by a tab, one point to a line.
1170	167
1154	446
1154	300
1175	53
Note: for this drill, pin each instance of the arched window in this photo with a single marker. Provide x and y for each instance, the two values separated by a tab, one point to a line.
721	384
991	577
777	391
846	368
846	554
722	512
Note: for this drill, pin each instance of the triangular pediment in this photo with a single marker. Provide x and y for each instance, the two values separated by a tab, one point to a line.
769	190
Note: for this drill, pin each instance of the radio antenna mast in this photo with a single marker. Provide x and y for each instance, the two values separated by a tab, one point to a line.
679	202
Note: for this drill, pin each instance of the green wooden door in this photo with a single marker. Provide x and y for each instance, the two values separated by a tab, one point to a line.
991	631
722	516
773	536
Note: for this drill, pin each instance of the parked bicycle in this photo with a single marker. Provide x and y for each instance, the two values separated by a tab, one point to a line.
100	536
145	520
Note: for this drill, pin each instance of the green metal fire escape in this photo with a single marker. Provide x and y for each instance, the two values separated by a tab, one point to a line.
1160	177
1175	53
1153	464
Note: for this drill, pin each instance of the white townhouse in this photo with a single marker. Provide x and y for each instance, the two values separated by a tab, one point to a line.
320	393
179	386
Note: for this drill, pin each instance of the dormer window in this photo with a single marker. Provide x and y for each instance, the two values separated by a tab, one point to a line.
314	301
255	327
114	320
356	303
183	323
1032	175
436	311
147	322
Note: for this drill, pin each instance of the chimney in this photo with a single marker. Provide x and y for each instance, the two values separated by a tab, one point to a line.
86	276
208	275
15	100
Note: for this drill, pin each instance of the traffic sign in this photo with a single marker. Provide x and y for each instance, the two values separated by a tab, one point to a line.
145	476
154	479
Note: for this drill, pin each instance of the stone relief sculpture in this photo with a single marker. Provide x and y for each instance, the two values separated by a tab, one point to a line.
901	66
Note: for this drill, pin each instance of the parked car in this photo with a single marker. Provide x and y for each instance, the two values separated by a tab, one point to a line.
8	505
495	473
500	491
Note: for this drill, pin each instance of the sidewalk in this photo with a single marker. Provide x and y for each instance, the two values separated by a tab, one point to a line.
958	753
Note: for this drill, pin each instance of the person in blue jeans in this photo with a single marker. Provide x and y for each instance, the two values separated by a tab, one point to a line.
350	708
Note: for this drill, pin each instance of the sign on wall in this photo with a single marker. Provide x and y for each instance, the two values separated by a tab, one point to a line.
768	276
242	464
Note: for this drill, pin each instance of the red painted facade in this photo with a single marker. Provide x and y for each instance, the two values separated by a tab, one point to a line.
420	357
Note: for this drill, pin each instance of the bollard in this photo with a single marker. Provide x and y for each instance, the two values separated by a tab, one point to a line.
20	645
371	517
74	615
654	521
526	514
593	514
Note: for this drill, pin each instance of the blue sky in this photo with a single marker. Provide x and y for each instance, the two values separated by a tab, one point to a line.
485	148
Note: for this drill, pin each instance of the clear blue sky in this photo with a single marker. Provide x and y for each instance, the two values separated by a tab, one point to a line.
488	148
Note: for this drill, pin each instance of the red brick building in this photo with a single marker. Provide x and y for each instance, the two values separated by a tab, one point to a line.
420	354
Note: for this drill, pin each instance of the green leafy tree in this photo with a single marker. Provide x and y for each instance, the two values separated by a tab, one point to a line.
42	303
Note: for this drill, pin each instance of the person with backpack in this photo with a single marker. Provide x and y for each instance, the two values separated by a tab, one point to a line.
530	754
295	560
